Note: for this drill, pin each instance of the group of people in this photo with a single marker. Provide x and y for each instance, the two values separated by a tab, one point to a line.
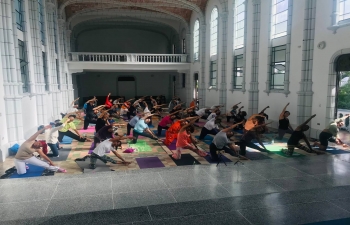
178	125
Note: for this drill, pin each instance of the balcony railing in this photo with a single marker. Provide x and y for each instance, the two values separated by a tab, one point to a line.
126	57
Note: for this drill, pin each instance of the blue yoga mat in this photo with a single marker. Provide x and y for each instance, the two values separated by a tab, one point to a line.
156	132
335	151
33	171
67	140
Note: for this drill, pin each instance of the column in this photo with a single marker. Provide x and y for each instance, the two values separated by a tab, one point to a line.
202	76
61	55
305	94
12	85
254	83
223	84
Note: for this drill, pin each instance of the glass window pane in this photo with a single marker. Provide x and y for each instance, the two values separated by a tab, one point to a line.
282	6
281	17
281	28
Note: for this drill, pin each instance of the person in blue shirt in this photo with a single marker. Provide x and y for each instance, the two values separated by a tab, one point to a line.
133	122
141	128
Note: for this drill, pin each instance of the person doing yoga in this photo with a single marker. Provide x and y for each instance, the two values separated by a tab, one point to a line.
166	122
331	134
297	135
25	155
141	128
65	131
284	125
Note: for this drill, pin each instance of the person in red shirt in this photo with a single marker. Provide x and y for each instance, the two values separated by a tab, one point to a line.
186	141
109	102
171	133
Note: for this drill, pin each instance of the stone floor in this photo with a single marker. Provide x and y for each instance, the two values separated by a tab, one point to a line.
280	190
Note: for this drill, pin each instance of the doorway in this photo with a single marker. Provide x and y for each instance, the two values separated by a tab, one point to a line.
126	87
342	97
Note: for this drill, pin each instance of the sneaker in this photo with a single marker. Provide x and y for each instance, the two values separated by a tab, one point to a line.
62	170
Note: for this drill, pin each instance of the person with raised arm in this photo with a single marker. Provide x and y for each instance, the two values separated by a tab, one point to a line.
240	117
211	127
330	133
222	141
284	125
171	133
297	135
25	155
166	122
133	122
233	112
108	102
69	125
186	141
141	128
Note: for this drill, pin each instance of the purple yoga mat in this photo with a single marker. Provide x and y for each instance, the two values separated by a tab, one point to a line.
92	147
172	146
149	162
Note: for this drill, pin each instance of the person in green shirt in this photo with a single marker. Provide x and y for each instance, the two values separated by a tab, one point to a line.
331	134
68	126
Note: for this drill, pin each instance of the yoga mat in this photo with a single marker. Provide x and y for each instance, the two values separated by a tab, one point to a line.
278	151
156	133
210	160
92	147
63	155
88	130
172	146
67	140
256	156
149	162
207	139
200	124
335	151
141	146
33	171
186	159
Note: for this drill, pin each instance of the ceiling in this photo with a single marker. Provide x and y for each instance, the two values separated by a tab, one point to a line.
179	10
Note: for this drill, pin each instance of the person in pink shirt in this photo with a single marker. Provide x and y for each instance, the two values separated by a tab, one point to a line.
166	122
186	141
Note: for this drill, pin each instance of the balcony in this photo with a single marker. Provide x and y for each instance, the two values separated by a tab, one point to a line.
80	61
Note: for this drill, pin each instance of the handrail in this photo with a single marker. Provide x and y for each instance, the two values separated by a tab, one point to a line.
127	57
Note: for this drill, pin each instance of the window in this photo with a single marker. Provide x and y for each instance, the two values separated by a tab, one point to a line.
279	18
64	44
55	30
239	23
183	80
184	46
238	72
41	21
58	74
214	32
196	40
278	67
213	73
46	77
23	64
19	14
344	10
66	78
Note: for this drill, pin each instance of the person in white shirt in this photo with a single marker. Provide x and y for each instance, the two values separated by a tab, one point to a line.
202	112
214	114
106	147
215	107
52	140
211	127
72	108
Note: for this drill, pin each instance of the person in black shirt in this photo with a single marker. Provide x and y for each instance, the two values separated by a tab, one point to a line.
90	116
296	136
284	125
101	121
240	117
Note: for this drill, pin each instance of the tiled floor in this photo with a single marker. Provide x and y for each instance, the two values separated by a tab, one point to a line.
280	190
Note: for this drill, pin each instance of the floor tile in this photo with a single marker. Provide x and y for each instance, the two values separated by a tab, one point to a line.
70	188
299	183
106	217
138	182
33	191
144	198
225	218
276	170
187	178
251	188
79	205
343	203
335	179
22	210
199	193
314	167
294	214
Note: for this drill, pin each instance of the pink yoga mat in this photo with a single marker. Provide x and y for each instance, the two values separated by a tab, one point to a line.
89	130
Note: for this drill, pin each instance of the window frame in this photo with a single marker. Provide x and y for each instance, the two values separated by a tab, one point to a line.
45	71
235	24
58	73
235	72
19	13
41	20
273	65
211	74
214	25
23	60
346	20
196	41
274	17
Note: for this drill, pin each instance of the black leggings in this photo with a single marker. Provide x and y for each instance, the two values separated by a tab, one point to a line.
87	122
244	144
135	134
128	129
213	150
69	134
205	131
160	128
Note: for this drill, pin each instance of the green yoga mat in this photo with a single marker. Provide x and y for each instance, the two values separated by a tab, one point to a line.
278	151
141	146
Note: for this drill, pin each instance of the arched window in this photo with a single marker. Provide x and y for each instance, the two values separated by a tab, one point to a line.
279	18
214	31
239	23
196	40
